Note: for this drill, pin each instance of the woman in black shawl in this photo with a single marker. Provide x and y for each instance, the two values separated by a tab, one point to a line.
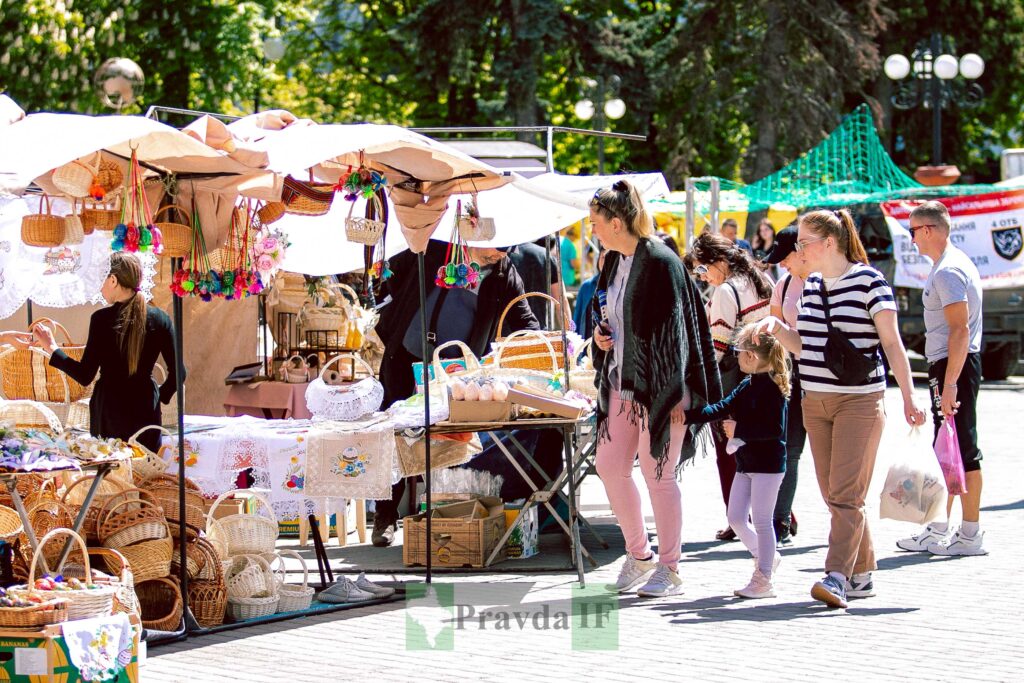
654	358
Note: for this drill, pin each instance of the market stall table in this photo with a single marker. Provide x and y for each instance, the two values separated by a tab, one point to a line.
268	399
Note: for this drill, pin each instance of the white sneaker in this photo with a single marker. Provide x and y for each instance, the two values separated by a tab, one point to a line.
860	586
921	541
960	544
663	582
345	591
633	573
760	586
364	584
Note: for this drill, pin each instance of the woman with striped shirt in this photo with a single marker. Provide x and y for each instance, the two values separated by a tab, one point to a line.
844	418
742	295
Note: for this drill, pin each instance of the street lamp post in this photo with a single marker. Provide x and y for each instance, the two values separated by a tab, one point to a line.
602	107
932	85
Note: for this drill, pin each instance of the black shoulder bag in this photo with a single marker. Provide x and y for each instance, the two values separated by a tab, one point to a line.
844	360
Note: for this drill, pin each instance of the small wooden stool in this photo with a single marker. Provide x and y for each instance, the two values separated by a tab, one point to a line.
341	522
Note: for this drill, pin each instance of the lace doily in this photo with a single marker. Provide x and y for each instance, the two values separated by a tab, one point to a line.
348	402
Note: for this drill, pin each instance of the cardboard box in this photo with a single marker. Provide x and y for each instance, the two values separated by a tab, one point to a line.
525	539
545	402
479	411
35	656
228	506
462	534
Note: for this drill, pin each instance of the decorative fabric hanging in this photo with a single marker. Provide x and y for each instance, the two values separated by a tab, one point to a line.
458	272
136	231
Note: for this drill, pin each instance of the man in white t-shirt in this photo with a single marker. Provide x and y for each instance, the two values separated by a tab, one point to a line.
953	324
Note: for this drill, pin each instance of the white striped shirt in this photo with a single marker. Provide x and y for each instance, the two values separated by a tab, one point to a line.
853	299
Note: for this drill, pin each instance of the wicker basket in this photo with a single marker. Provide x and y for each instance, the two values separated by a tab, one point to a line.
30	415
74	233
271	212
152	463
362	230
109	175
125	599
74	496
118	528
45	516
294	372
77	177
166	496
252	588
53	611
542	354
43	229
148	560
99	217
207	595
10	524
306	199
26	373
412	458
82	604
244	533
316	319
195	559
177	236
579	379
161	604
292	598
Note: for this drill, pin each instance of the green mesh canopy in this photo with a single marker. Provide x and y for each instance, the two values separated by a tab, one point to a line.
849	166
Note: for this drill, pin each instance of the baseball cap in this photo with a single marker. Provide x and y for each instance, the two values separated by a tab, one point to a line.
784	245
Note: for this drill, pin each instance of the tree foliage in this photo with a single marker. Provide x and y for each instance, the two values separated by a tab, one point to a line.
734	93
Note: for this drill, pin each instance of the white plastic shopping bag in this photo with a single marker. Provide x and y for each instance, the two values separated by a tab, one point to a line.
915	489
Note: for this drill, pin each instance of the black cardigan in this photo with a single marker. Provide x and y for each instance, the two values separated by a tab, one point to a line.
497	290
121	404
761	413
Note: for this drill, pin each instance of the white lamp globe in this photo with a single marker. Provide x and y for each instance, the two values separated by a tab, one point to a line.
946	67
273	49
897	67
971	66
584	110
615	109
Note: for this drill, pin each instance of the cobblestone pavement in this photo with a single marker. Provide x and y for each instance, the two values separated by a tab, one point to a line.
932	618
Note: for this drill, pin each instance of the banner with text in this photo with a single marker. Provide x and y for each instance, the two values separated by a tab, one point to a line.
987	227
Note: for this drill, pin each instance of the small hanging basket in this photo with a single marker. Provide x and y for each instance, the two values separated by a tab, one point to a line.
364	230
74	233
100	216
177	236
472	226
306	199
271	212
43	229
109	175
77	178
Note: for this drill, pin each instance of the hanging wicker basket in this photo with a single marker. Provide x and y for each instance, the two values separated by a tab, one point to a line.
100	217
306	199
77	177
177	235
74	233
43	229
271	212
109	176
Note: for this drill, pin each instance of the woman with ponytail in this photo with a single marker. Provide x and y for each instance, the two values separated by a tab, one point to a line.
758	444
742	295
124	341
846	314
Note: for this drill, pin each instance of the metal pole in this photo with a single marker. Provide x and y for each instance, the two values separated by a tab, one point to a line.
426	401
936	102
715	190
551	149
28	309
267	370
691	214
179	364
599	105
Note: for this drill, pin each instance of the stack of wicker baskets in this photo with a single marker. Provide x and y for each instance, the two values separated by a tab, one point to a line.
207	594
253	590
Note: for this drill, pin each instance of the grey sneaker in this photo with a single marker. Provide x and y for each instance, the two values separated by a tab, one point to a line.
920	542
860	586
830	591
663	582
364	584
960	544
343	592
633	573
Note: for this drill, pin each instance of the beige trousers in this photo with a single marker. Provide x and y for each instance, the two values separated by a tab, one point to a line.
844	431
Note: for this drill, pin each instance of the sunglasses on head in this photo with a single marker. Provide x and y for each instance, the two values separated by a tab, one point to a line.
596	201
700	269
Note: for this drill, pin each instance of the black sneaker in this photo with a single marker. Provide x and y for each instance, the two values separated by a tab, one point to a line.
383	533
830	591
783	538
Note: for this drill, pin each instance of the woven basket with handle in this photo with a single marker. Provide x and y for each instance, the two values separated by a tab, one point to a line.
253	533
532	354
306	199
82	604
26	373
364	229
74	496
207	595
125	599
100	216
151	464
161	604
130	517
292	598
43	229
177	235
76	177
581	379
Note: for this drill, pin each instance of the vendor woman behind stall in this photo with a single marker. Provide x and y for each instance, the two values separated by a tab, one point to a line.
125	339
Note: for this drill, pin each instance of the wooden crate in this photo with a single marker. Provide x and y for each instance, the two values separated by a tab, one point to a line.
463	534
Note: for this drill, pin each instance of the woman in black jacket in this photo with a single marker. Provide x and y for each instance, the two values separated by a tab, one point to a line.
124	341
654	357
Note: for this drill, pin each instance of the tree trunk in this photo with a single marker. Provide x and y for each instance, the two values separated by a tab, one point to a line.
766	104
524	55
